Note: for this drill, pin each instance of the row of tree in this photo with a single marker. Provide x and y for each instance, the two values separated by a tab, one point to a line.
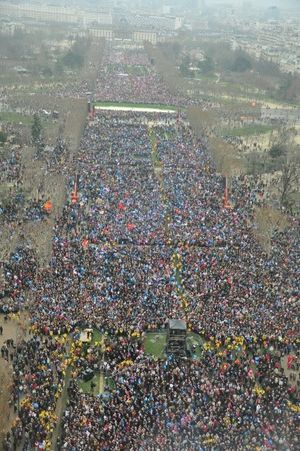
219	57
283	156
207	66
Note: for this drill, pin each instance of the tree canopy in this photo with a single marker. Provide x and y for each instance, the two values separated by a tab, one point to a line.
36	129
207	66
3	137
241	64
277	150
72	59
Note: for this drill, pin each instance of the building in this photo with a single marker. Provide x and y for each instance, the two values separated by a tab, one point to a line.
60	14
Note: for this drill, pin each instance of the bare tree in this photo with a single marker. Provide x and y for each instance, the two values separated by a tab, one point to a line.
286	154
228	163
167	69
268	220
283	140
290	179
200	120
5	396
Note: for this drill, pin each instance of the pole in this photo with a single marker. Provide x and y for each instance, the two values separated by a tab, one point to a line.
226	203
74	194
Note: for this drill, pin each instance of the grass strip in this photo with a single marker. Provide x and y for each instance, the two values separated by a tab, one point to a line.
247	131
12	117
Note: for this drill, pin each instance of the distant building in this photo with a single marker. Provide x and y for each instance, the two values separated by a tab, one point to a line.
136	36
109	24
148	22
54	14
106	33
142	36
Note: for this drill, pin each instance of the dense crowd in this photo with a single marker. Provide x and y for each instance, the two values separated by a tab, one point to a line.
186	405
148	240
10	168
126	221
129	76
38	378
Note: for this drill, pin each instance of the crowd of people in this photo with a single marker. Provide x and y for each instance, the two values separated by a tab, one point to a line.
186	405
129	76
38	379
149	239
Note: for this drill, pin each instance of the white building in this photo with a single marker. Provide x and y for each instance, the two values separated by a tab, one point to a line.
54	14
